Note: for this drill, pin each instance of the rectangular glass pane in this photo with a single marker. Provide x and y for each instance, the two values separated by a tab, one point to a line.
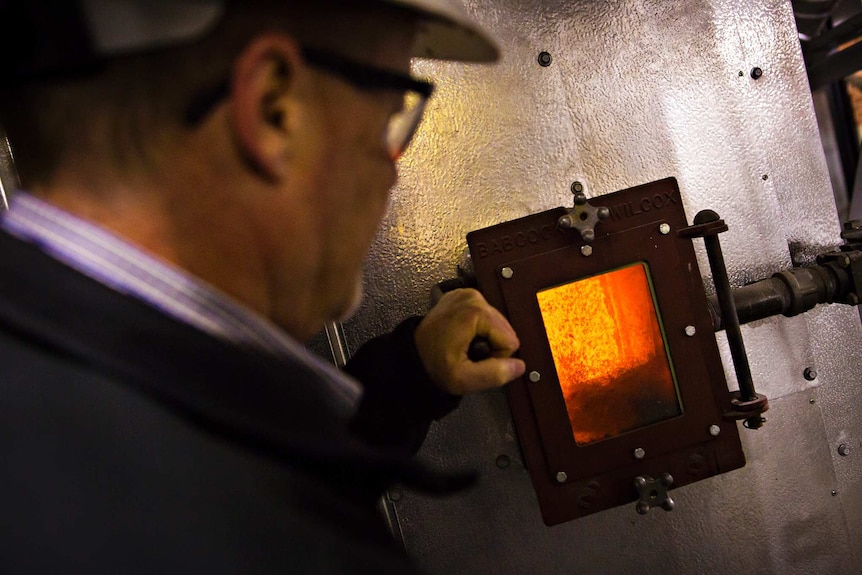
609	352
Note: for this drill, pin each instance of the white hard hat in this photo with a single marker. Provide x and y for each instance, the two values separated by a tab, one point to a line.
446	31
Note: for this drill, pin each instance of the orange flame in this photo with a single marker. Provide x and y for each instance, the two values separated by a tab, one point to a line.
609	353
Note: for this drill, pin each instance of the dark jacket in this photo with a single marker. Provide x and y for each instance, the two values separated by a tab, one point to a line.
132	443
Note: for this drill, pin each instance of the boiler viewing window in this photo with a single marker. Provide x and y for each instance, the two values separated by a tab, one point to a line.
624	382
610	354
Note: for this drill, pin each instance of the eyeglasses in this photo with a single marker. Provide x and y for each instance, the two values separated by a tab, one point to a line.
402	124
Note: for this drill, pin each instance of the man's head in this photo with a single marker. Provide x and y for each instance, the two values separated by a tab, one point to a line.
259	156
160	52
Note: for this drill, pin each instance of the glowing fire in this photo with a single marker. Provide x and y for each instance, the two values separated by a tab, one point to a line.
609	353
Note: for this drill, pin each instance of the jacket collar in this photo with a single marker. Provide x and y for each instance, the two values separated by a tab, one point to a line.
272	405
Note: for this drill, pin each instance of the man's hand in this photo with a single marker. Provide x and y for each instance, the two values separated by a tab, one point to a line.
443	339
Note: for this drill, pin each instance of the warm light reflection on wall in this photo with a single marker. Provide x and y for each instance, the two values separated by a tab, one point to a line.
609	353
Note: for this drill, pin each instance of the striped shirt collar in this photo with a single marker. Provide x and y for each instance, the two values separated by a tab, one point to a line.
114	262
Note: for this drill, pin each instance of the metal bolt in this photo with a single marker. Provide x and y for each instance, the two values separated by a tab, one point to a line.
714	430
756	72
544	59
754	422
566	222
577	187
640	453
810	373
395	494
503	461
843	450
812	401
535	376
664	229
587	250
690	330
507	273
562	477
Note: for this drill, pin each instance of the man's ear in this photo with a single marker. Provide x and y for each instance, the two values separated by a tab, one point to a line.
261	102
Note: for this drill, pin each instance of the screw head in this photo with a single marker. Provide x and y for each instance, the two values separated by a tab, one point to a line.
714	430
395	494
756	72
507	273
639	453
764	177
690	330
587	250
812	401
664	229
810	373
843	450
544	59
561	477
535	376
577	187
503	461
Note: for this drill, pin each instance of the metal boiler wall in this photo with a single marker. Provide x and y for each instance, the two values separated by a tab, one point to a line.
637	90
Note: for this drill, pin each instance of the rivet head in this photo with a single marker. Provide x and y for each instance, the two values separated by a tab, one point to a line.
664	229
714	430
544	59
535	376
639	453
756	72
561	477
690	330
503	461
810	373
507	273
395	494
587	250
843	450
577	187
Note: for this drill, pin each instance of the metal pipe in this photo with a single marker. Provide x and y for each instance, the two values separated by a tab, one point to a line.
787	293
